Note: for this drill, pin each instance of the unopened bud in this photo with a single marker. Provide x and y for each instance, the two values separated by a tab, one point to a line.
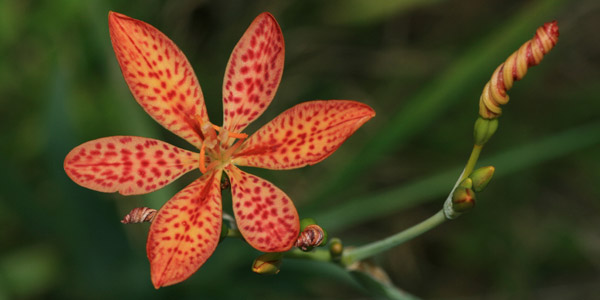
268	263
463	197
311	236
481	177
336	249
139	215
484	130
225	183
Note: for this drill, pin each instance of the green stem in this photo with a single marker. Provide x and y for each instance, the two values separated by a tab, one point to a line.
317	254
449	212
371	249
234	233
470	163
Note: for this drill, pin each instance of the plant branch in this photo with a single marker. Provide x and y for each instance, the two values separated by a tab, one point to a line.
371	249
316	255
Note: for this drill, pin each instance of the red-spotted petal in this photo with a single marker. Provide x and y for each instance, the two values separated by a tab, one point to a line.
265	215
185	232
127	164
159	76
253	73
303	135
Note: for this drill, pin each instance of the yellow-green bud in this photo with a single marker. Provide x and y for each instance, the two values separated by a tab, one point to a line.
463	199
268	263
481	177
484	130
336	249
466	183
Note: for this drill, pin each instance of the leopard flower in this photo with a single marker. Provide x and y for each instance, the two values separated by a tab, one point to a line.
185	231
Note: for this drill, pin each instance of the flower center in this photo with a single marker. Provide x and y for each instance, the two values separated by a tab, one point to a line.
216	149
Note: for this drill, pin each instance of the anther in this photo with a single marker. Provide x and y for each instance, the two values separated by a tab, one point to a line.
232	134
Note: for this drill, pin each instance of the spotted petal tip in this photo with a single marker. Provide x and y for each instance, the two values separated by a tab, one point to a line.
185	232
253	73
159	76
129	165
265	215
303	135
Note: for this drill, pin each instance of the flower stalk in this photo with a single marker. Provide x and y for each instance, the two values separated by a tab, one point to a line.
352	255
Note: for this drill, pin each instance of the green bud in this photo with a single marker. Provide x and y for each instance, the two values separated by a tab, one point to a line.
463	198
268	263
336	249
481	177
305	222
467	183
484	130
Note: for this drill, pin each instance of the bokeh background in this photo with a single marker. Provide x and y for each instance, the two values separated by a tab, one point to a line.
535	232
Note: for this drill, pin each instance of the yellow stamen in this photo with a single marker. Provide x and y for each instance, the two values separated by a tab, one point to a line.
204	128
232	134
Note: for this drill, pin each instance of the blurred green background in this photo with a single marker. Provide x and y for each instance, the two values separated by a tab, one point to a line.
421	65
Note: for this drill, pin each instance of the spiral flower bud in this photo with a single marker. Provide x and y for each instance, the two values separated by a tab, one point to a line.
311	236
139	215
514	68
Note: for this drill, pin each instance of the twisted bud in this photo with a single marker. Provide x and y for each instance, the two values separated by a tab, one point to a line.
514	68
139	215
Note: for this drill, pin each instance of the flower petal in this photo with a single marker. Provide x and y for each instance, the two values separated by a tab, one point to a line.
159	76
253	73
185	232
265	215
303	135
129	165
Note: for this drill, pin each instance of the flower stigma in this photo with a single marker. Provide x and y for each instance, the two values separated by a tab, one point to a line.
215	150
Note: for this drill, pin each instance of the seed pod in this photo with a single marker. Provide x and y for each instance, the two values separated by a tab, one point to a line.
139	215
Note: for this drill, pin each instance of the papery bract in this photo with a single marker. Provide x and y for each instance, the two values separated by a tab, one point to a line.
185	231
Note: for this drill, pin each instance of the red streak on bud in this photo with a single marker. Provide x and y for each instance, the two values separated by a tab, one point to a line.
514	68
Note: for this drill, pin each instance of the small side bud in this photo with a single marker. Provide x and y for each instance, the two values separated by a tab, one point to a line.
225	183
268	263
481	177
463	197
336	249
311	236
139	215
484	130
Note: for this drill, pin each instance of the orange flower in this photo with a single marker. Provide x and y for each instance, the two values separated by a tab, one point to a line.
185	231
